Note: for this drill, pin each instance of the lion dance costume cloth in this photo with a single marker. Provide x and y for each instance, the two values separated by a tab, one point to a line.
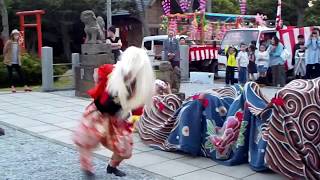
119	94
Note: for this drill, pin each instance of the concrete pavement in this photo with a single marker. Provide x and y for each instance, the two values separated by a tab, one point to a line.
55	117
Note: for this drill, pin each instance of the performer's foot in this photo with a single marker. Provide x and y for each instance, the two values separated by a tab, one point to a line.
115	171
88	174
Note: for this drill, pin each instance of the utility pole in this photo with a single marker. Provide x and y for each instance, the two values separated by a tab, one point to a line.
109	14
209	6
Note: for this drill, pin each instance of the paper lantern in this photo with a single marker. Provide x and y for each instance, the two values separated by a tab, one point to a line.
185	5
203	4
166	5
243	6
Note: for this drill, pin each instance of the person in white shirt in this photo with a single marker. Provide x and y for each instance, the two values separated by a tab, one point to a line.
262	62
243	61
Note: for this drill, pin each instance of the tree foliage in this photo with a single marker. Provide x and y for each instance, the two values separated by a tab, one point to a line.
225	6
293	11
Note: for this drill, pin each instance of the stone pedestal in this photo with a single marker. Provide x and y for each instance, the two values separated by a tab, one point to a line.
167	74
93	49
93	56
184	62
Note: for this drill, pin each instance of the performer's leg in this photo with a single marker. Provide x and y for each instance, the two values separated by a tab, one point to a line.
86	160
113	164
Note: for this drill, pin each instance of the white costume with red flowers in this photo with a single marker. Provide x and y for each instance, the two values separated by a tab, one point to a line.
117	96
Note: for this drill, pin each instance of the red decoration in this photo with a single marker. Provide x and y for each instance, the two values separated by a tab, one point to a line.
240	116
161	106
278	101
103	73
205	102
196	97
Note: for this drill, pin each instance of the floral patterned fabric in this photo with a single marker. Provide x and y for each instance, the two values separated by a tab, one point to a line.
223	125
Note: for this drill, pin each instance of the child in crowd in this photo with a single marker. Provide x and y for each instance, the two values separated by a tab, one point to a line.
243	61
263	63
252	67
231	65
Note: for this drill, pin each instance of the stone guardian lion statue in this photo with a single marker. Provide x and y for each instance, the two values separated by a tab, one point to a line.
94	27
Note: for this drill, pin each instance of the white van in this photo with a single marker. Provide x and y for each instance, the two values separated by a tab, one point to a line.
154	46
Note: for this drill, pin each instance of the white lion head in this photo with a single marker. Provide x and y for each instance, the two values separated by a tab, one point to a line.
132	80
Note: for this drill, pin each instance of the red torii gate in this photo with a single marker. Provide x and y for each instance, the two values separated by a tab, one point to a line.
38	14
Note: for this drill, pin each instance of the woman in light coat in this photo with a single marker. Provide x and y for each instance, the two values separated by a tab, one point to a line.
12	59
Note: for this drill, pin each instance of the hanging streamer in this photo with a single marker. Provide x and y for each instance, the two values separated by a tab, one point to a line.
166	5
243	6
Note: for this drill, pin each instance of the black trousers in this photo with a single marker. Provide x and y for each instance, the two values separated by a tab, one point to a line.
230	75
116	55
278	75
17	68
313	71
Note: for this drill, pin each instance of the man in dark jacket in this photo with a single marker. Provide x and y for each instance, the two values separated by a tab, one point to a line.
172	50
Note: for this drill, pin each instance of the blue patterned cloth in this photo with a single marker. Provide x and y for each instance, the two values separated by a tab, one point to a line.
224	126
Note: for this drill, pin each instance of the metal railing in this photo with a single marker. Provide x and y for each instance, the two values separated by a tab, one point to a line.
48	75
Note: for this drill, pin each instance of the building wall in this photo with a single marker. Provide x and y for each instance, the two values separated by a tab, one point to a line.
153	17
130	30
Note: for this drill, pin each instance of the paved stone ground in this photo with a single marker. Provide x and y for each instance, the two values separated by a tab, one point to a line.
27	157
55	116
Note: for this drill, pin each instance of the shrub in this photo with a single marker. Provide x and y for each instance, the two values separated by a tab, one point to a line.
31	67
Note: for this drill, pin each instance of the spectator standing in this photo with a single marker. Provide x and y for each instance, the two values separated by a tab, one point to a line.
298	46
262	62
243	61
252	67
312	59
172	50
12	59
231	65
277	63
182	41
115	43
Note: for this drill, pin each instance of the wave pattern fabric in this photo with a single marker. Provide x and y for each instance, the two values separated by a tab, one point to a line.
158	120
294	131
233	126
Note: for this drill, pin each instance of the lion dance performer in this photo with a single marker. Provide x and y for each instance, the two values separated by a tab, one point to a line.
120	92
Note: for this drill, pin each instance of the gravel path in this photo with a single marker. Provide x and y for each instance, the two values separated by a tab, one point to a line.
26	157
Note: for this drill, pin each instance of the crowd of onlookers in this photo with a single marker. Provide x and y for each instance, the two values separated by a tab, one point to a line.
270	58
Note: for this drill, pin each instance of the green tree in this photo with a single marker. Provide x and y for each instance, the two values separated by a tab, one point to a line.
61	22
4	20
293	11
312	15
225	6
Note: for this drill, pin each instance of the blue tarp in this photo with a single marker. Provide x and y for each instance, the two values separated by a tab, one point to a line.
227	17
